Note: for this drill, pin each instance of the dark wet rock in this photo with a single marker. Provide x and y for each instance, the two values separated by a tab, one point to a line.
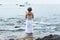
50	37
11	39
17	26
21	5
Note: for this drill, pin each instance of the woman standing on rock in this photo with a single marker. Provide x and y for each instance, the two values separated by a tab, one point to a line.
29	20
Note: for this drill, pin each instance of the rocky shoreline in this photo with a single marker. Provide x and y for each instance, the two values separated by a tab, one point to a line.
49	37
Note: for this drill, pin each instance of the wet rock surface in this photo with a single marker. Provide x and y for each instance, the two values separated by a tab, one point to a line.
50	37
11	39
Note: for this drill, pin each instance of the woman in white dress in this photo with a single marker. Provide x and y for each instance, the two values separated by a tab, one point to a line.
29	20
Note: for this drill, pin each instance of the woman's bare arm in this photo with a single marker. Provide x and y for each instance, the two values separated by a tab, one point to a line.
32	15
26	15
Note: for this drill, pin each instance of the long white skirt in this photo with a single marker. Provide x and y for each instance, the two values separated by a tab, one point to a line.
29	26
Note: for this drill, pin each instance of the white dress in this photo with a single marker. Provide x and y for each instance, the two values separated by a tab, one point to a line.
29	26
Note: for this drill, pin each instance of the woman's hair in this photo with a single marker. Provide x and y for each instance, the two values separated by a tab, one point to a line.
29	9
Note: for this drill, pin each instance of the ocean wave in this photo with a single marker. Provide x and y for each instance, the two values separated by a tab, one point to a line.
15	29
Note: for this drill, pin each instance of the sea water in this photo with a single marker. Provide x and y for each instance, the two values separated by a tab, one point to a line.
46	21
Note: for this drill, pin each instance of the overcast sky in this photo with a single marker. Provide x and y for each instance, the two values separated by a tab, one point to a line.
31	1
8	12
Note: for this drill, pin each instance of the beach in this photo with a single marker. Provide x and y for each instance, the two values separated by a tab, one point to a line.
12	23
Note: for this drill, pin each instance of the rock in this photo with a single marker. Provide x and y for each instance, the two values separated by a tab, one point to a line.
21	5
50	37
17	26
11	39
